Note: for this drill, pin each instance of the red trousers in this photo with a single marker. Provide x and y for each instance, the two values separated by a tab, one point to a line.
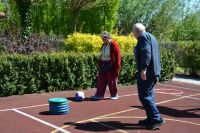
104	79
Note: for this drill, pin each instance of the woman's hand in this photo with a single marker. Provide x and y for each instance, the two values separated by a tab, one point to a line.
118	70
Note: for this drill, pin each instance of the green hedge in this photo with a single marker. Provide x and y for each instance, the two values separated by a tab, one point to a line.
22	74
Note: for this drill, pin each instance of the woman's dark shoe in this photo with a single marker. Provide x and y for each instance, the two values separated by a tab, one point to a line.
96	98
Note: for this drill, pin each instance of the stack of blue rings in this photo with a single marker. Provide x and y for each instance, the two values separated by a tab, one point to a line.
58	106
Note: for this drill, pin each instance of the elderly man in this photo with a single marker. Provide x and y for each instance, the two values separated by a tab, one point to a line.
148	65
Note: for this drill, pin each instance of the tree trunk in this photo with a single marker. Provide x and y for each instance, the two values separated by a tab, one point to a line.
23	8
75	16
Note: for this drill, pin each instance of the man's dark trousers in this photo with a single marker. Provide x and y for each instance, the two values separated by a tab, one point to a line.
146	96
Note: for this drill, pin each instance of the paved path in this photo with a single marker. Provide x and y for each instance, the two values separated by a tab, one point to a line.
187	79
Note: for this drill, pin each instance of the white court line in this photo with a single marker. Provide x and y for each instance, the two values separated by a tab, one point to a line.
128	95
32	106
124	95
162	91
41	121
119	96
178	87
194	98
4	110
24	107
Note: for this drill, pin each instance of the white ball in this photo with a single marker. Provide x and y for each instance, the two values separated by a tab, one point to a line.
80	95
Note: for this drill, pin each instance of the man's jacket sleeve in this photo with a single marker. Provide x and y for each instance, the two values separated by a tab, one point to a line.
145	52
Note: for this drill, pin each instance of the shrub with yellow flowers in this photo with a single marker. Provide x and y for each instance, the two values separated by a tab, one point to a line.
84	42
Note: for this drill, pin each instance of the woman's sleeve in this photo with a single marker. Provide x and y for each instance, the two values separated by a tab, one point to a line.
117	57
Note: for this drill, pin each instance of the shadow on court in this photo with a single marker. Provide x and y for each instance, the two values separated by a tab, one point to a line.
73	99
101	127
179	113
46	113
172	111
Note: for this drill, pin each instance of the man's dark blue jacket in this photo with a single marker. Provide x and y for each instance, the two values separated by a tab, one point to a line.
147	55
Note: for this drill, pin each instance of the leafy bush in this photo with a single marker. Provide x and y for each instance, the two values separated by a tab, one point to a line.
190	53
32	44
127	74
22	74
167	65
126	43
174	48
79	42
187	55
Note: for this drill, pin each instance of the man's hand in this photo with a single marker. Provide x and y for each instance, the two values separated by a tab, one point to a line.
143	75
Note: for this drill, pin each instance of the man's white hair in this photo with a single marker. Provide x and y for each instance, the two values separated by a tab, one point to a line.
138	28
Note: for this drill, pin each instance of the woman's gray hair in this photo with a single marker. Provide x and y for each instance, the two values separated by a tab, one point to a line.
138	28
105	34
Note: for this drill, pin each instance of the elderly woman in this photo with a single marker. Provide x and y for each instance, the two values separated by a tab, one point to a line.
109	66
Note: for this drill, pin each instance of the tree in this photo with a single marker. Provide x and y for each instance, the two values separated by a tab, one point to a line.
133	11
76	6
159	16
99	18
163	21
11	23
23	8
188	26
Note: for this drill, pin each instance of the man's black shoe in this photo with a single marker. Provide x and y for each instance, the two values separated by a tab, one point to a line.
144	122
155	125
